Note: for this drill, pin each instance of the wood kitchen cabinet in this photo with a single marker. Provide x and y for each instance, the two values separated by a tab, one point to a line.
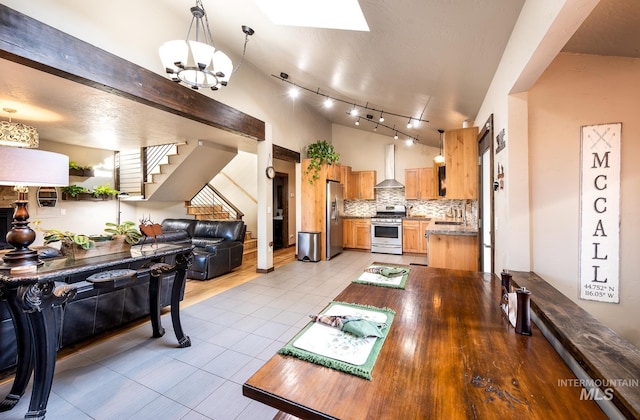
314	205
413	239
458	252
461	161
419	184
356	233
361	185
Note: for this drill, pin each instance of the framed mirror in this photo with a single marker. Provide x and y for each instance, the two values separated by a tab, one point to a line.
47	196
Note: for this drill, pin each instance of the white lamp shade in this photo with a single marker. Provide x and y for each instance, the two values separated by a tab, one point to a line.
438	159
33	167
172	52
202	53
222	63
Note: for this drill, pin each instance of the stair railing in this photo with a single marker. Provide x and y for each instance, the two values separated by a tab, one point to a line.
153	156
208	198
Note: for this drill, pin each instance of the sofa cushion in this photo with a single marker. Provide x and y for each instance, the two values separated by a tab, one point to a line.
187	225
230	230
205	242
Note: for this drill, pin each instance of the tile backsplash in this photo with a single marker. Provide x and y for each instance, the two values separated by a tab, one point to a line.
433	208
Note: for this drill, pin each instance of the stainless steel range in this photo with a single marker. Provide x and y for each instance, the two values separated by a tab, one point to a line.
386	229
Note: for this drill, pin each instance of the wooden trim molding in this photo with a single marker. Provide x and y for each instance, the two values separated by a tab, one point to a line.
34	44
285	154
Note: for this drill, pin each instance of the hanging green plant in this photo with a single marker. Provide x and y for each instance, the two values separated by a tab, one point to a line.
320	153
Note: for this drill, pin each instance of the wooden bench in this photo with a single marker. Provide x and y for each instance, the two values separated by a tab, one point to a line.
596	354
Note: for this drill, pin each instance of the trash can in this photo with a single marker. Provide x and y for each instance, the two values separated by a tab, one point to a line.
309	246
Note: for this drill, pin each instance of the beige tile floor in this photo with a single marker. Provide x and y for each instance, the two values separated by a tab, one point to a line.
133	376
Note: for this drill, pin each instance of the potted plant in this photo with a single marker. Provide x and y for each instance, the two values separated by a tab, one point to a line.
320	153
126	229
104	191
72	191
68	239
78	170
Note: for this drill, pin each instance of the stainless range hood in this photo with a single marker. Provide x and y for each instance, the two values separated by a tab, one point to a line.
389	169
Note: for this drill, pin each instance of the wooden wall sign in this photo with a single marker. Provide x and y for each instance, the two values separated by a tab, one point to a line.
600	212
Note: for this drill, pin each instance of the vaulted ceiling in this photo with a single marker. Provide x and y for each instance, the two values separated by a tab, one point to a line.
427	59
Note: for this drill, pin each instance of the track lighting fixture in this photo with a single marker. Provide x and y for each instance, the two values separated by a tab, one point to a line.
354	109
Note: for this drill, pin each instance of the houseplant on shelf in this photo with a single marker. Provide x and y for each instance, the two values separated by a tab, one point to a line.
320	153
73	191
78	170
104	191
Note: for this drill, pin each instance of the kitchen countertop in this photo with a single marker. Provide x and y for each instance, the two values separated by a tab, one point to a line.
445	229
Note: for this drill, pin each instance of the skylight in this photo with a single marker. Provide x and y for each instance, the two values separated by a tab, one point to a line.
329	14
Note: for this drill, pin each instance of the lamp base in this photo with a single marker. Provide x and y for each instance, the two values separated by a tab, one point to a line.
20	258
20	237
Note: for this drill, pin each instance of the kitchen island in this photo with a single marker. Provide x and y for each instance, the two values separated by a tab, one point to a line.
452	244
449	354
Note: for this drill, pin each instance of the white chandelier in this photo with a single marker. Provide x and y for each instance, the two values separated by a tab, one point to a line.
16	134
197	63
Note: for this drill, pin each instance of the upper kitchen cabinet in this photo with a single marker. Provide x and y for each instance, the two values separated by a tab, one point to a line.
419	184
361	185
461	162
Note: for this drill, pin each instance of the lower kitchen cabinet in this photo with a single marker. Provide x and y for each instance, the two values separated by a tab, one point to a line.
413	239
459	252
356	233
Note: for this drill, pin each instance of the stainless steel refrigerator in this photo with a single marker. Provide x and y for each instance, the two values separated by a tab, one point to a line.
334	218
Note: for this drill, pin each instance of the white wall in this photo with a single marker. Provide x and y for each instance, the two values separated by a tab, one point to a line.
364	150
542	29
579	90
83	217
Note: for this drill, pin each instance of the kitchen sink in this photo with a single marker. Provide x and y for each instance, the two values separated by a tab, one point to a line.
447	222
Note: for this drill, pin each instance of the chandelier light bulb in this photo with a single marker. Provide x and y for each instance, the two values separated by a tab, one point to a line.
354	111
328	103
396	136
381	117
409	125
358	121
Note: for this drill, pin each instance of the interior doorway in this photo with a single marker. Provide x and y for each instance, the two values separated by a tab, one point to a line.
485	203
280	210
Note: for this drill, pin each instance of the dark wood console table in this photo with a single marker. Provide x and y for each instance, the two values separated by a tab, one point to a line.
32	296
449	354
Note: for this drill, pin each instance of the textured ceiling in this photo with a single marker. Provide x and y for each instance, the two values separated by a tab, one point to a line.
422	58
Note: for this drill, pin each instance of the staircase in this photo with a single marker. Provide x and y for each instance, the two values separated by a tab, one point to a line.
250	253
213	212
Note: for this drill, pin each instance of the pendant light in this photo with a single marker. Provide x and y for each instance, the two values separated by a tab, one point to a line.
440	157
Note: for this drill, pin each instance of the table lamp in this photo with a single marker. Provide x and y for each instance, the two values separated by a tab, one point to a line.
21	168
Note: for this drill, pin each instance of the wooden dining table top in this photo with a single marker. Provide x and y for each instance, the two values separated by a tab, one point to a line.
449	353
